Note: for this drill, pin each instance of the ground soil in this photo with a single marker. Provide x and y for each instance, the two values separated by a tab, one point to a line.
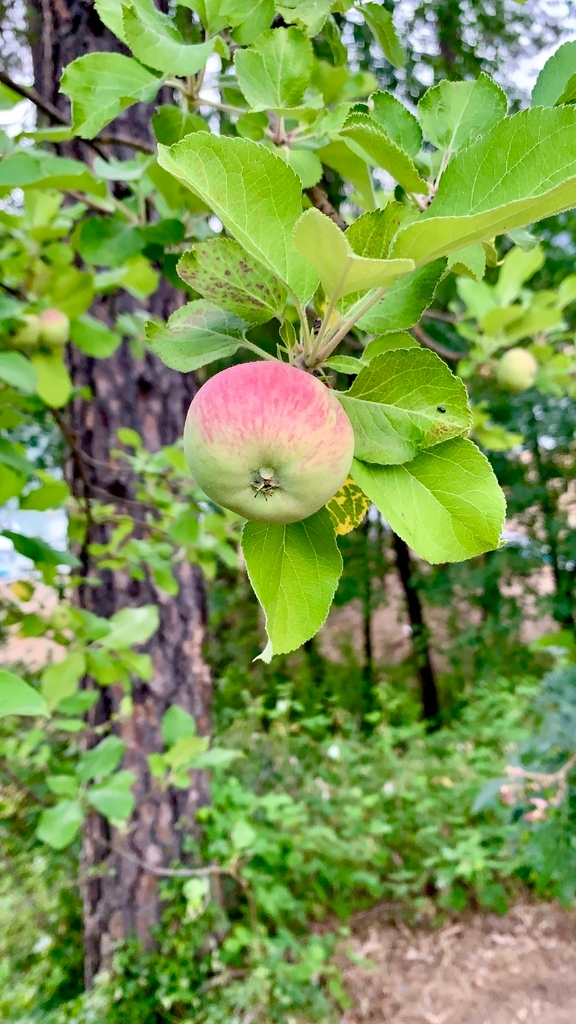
481	969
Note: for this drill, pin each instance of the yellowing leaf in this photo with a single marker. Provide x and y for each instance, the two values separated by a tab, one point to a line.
348	507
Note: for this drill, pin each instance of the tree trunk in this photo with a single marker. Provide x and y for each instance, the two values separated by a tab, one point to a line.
428	688
120	895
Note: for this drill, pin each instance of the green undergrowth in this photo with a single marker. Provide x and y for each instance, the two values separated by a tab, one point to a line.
313	822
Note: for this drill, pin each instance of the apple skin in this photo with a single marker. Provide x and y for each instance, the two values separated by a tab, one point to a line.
517	370
54	328
27	336
268	441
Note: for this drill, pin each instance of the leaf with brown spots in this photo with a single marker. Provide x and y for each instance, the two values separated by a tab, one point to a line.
225	274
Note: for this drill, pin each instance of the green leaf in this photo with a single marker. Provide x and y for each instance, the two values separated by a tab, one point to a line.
344	364
211	13
404	400
155	40
61	679
255	195
176	724
309	14
42	170
63	785
242	835
517	267
11	484
216	757
446	504
371	234
398	339
367	138
107	241
110	14
93	337
38	551
404	302
275	72
351	167
249	17
170	124
8	98
556	82
306	163
72	292
294	571
454	114
522	170
225	274
101	85
379	20
53	386
184	751
50	494
18	698
397	121
341	271
196	334
131	626
470	262
59	825
101	760
18	371
12	455
113	798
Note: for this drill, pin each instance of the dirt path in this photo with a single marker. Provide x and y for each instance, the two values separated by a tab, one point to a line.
518	969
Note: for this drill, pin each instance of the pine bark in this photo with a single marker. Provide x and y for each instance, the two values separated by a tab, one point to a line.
120	894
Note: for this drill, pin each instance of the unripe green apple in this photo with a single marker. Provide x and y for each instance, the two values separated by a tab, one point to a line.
27	336
268	441
517	370
61	618
54	328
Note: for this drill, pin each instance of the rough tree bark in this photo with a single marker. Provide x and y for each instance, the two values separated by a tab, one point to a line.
120	896
428	689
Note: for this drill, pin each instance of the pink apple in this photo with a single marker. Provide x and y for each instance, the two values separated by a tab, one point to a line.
268	441
54	328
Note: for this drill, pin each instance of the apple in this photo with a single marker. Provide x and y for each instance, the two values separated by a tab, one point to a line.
61	618
54	328
268	441
27	336
517	370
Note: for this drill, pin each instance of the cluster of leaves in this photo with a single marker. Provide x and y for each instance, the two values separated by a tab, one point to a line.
412	460
294	111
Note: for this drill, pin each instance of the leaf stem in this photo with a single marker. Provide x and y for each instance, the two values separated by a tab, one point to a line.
360	309
257	350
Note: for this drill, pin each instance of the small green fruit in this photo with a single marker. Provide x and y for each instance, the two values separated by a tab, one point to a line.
27	336
54	328
61	618
517	370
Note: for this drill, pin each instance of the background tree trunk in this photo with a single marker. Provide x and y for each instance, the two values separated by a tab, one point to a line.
120	896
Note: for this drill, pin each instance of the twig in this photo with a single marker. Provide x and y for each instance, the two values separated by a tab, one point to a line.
70	439
28	93
429	342
13	291
210	869
319	199
446	318
124	140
